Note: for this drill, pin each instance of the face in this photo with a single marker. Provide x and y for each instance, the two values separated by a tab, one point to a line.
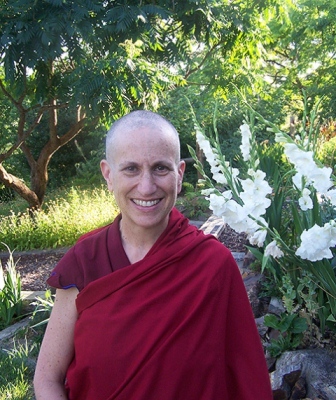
145	176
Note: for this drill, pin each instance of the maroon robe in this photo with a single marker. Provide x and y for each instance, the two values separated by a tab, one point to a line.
176	325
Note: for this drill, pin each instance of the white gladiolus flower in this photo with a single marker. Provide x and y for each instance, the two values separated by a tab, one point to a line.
245	147
273	250
234	172
217	204
331	195
219	178
235	216
211	158
207	192
301	159
205	145
257	188
280	138
320	178
255	192
258	237
218	175
316	242
305	202
306	167
297	180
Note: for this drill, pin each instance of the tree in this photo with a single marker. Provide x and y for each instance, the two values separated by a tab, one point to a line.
298	53
95	60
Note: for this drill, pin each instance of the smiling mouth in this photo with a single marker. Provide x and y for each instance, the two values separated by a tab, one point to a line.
144	203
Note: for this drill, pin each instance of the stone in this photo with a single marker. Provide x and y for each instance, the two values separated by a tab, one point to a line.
284	378
280	394
292	377
299	390
249	258
213	226
275	306
13	329
262	328
318	368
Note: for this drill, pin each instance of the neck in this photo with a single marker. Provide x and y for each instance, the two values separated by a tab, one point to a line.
138	242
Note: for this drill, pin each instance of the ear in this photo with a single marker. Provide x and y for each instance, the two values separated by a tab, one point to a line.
181	169
107	174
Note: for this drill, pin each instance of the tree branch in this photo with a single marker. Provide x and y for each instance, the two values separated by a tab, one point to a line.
9	96
19	186
207	55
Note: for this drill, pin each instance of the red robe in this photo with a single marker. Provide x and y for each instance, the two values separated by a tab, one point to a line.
176	325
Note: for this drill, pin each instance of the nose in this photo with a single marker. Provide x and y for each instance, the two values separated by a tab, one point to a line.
146	184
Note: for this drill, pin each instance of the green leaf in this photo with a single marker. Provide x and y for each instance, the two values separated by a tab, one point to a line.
331	318
299	325
272	321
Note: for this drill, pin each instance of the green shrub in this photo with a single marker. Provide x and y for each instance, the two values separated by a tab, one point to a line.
63	219
327	154
16	373
10	293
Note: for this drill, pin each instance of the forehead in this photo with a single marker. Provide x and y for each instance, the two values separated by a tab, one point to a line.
145	141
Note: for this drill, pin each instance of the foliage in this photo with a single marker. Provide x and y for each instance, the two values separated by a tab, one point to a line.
17	370
283	222
72	213
10	292
88	172
327	153
15	374
43	306
81	63
191	202
295	42
290	327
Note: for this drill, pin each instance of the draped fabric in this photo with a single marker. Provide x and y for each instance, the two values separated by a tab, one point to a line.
176	325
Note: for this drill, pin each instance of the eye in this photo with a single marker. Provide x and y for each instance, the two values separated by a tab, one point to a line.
130	169
161	169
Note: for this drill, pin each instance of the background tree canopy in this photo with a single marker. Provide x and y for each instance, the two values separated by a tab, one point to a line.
70	68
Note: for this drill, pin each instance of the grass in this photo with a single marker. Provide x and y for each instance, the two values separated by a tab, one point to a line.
18	355
65	216
16	374
17	365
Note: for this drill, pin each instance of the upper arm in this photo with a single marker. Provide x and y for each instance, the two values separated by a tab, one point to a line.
57	348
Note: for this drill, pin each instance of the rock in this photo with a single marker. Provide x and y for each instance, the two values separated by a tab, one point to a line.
262	329
249	258
280	394
284	378
299	390
275	306
252	284
318	372
292	378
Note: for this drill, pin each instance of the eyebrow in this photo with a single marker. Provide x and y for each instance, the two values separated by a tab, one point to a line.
135	164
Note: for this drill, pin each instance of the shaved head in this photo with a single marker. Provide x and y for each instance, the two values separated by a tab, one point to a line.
136	120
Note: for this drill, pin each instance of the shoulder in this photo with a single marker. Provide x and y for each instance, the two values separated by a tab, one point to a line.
208	249
91	242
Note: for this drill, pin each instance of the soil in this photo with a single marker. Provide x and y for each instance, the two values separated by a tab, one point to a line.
35	266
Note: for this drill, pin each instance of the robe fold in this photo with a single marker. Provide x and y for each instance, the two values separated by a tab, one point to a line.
176	325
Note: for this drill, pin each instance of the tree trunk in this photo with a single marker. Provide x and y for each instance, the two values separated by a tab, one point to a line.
39	168
20	188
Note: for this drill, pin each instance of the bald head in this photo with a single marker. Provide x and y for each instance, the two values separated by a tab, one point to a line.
137	120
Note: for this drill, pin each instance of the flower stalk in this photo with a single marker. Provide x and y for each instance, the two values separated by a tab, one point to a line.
279	211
